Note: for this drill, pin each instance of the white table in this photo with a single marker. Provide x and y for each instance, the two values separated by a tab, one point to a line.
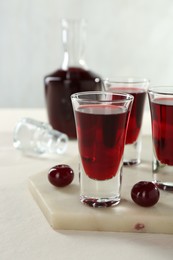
25	233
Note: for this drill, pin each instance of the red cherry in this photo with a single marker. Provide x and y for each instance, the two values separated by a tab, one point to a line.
60	175
145	193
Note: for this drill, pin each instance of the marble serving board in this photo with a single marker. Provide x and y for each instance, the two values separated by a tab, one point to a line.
64	211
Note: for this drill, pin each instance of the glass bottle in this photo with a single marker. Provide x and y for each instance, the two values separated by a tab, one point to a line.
73	76
33	137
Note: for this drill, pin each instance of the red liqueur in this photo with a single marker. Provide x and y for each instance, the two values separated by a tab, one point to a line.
101	144
59	86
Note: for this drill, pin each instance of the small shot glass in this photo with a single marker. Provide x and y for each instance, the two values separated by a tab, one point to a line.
101	122
161	107
137	87
34	137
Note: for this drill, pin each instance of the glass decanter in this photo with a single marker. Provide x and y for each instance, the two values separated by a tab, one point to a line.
73	76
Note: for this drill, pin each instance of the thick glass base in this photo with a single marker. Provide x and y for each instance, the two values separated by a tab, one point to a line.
132	153
165	186
100	202
163	175
131	162
100	193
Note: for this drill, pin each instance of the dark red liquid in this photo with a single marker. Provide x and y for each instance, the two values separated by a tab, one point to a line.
58	88
162	128
136	115
101	137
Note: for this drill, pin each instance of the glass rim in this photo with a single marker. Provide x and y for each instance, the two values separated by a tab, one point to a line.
126	80
163	90
80	96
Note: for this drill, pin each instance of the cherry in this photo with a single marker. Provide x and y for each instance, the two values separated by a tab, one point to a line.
145	193
60	175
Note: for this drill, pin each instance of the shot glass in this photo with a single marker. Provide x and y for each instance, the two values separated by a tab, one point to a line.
161	107
101	122
137	87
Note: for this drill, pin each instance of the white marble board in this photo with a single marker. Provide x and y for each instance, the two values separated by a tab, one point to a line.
64	211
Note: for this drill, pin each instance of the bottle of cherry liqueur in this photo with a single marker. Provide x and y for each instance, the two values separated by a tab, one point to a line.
72	76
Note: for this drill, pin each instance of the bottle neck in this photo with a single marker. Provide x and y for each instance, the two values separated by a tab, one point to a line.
73	38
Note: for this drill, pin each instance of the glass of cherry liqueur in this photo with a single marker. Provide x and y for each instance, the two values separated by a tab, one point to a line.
101	123
161	107
72	76
137	87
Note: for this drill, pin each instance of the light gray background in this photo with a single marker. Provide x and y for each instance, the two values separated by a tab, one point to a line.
125	37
